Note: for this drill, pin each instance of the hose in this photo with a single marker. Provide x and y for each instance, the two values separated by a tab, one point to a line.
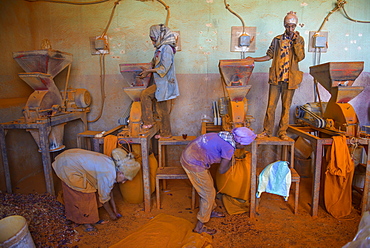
349	18
68	2
227	6
102	86
110	19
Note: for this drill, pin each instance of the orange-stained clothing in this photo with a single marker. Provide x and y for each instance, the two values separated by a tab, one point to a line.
338	179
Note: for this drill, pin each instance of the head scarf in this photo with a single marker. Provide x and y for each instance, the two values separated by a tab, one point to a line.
243	135
291	18
125	163
162	35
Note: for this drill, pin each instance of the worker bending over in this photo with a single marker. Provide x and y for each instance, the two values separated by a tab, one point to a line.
197	158
86	175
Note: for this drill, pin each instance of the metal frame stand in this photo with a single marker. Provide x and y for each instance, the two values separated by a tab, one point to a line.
44	127
318	144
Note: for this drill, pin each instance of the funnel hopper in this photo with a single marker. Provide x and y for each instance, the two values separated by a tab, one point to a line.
37	81
134	92
335	74
130	73
46	61
236	72
237	93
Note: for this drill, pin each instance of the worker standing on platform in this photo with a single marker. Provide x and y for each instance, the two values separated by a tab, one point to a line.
163	84
86	175
197	158
286	51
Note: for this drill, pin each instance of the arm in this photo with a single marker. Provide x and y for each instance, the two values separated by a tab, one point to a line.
165	62
298	46
146	71
225	165
260	59
113	205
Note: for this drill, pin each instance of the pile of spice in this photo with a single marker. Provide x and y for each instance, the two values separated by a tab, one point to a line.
45	218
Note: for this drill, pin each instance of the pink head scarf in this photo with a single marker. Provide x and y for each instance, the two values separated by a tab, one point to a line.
243	135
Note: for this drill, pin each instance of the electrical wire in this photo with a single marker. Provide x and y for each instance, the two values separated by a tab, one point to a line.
227	6
339	4
102	86
349	18
69	2
110	19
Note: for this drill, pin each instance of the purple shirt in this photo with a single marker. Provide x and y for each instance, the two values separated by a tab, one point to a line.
204	151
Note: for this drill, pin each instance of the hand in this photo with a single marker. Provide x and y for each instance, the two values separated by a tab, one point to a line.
295	35
144	73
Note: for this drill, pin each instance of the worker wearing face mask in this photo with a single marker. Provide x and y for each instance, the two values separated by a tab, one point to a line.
286	50
87	175
164	84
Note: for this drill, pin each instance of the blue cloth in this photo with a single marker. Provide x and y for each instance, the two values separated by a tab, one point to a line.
275	179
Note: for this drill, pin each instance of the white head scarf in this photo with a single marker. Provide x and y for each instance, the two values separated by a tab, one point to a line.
125	163
162	35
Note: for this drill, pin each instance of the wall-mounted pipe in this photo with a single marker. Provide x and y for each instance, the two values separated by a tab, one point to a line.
227	6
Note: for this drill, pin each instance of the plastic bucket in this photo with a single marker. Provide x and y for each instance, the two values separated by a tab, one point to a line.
14	233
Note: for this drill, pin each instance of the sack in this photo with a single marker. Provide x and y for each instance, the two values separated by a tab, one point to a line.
236	182
133	191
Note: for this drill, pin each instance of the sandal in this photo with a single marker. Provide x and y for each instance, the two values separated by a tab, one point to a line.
207	230
215	214
102	222
90	228
263	135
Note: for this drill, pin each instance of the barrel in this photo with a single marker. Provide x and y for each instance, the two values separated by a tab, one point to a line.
14	233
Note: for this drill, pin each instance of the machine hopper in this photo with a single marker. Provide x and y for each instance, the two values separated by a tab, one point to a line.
46	61
235	74
338	78
41	67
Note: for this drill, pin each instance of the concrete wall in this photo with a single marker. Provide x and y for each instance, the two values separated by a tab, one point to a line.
205	27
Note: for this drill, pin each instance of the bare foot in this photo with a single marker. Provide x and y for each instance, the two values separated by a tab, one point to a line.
205	229
147	126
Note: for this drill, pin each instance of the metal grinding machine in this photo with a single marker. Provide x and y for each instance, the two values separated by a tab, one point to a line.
337	115
47	109
233	109
46	101
130	73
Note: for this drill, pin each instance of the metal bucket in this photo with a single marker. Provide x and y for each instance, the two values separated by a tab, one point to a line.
14	233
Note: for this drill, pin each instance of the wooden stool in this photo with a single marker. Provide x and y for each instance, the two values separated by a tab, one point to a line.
164	173
294	175
86	137
171	173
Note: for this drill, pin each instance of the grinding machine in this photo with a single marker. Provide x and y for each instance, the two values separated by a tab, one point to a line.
337	115
46	102
130	73
233	109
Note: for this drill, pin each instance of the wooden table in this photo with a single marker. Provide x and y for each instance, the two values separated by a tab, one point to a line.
143	140
318	144
44	127
266	141
174	140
